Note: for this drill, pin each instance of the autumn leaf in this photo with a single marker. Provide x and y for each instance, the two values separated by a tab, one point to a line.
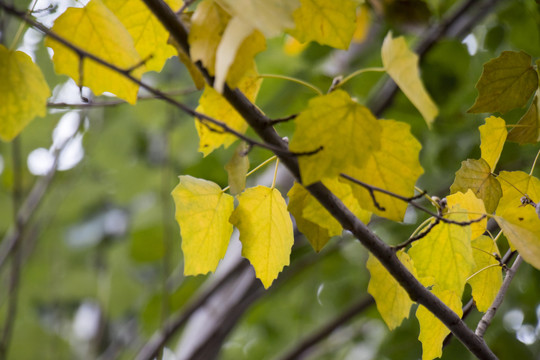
266	231
202	211
237	169
527	130
393	302
432	330
492	137
269	17
486	278
444	256
520	224
394	167
506	83
474	207
216	106
363	23
327	22
317	235
23	91
149	35
347	132
476	175
402	66
90	28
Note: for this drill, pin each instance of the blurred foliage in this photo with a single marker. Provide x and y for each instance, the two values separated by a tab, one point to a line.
106	233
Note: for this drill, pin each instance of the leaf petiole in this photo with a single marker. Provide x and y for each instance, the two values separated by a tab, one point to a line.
264	163
275	174
358	72
298	81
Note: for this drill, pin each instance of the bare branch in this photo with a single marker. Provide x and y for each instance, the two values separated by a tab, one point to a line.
490	314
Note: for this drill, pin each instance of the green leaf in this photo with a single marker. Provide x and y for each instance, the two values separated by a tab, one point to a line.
432	330
492	137
90	28
506	83
393	302
474	207
485	282
317	235
266	231
520	224
527	130
202	211
237	169
23	91
402	66
476	175
327	22
394	167
444	256
347	132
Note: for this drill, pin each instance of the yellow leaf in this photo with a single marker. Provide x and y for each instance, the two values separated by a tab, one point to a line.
485	282
266	231
237	169
520	224
90	28
528	129
316	213
149	36
202	211
393	302
269	17
317	235
402	66
432	330
475	208
347	132
244	61
207	25
292	46
444	256
476	175
194	72
492	138
506	83
363	22
327	22
23	91
394	167
213	104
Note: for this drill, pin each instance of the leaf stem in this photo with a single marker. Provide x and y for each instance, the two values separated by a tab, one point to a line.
534	163
479	271
264	163
275	174
298	81
358	72
21	28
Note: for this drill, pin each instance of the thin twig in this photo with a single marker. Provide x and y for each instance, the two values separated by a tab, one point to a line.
282	120
323	332
418	236
490	314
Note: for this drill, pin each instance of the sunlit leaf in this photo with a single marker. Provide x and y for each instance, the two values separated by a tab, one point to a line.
237	169
432	330
317	236
394	167
266	231
327	22
527	130
520	224
292	46
363	23
270	17
23	91
476	175
444	256
485	282
149	35
90	28
402	66
244	61
475	208
213	104
393	302
202	211
492	138
507	82
347	132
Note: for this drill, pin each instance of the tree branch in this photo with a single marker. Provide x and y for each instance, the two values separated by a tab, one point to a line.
490	314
